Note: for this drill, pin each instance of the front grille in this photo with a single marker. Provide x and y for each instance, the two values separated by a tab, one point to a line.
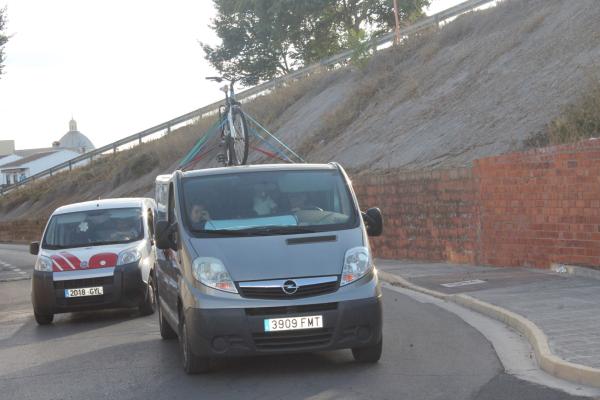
278	293
309	308
292	339
81	283
80	301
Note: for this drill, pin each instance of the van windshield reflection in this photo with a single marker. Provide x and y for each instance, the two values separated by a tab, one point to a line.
268	203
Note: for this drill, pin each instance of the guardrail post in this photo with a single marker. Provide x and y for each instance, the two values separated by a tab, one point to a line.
70	166
140	138
168	129
114	149
50	172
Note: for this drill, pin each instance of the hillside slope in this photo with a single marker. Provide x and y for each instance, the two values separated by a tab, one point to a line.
479	86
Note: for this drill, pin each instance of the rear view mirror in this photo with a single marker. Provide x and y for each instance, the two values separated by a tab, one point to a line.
166	235
34	248
373	221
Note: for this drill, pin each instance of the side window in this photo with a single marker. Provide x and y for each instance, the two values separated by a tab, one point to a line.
171	204
150	223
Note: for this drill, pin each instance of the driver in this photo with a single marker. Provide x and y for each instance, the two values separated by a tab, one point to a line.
199	213
124	230
299	201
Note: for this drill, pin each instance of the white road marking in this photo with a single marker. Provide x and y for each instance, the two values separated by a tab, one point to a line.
463	283
13	269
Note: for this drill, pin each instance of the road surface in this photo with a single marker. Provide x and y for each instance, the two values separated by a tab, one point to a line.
429	353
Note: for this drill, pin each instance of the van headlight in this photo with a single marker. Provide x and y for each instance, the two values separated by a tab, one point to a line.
357	263
211	272
43	263
129	256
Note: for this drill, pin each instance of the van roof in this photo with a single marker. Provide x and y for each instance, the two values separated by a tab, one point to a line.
258	168
102	204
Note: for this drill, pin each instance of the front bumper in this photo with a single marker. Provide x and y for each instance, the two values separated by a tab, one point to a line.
124	288
240	331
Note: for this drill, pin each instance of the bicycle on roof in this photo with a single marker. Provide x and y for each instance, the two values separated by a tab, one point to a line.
234	131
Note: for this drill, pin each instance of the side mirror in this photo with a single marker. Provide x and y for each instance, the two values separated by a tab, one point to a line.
166	235
373	221
34	248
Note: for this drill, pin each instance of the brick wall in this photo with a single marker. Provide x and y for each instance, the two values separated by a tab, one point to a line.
428	215
540	207
521	209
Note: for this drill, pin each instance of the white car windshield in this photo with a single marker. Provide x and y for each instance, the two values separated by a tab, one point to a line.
94	228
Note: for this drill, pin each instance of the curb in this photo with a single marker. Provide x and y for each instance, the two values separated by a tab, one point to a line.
547	361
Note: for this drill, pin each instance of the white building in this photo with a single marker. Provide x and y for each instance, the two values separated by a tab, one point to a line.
6	160
21	164
74	140
20	169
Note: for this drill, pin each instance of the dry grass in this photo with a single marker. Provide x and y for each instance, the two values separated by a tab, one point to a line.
580	120
269	107
577	121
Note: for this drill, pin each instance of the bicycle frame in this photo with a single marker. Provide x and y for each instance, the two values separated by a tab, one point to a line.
232	136
229	103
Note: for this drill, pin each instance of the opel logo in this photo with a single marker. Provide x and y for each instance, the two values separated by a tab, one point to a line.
84	264
289	287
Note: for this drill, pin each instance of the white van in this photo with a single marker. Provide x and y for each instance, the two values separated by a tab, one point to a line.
96	254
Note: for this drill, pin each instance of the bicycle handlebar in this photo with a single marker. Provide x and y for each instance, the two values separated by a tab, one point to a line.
214	78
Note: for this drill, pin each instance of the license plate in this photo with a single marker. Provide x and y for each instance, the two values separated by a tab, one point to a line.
293	323
88	291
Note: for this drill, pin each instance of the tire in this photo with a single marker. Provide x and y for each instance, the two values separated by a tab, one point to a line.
43	319
369	354
166	332
237	150
192	364
148	306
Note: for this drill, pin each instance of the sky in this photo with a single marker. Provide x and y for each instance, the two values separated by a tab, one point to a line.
116	66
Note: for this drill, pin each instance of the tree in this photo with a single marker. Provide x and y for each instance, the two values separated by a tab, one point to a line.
3	36
261	39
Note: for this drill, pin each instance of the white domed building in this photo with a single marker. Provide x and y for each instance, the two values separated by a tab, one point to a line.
74	140
21	164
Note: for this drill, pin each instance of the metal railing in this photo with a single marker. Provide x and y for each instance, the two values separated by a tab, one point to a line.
418	26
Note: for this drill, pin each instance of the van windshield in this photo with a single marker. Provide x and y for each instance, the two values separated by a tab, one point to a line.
94	228
268	203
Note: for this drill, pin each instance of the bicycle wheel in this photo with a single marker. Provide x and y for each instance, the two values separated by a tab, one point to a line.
237	148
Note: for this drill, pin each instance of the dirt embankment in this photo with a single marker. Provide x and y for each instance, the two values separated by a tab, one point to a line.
479	86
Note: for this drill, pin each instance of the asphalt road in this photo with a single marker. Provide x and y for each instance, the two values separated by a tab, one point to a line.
429	353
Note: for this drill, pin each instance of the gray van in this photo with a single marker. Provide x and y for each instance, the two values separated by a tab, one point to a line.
266	259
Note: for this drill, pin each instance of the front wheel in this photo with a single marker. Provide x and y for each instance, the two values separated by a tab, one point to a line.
148	306
192	364
43	319
369	354
237	147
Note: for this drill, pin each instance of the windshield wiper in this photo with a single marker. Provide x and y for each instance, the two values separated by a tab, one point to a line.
257	231
222	232
277	230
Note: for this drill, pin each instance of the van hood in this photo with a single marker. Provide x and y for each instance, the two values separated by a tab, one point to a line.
251	258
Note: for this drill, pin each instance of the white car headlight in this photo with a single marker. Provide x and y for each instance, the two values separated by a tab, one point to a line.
129	256
43	263
357	263
211	272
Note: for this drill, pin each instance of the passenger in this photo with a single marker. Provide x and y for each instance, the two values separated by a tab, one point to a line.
263	203
199	214
299	201
124	230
